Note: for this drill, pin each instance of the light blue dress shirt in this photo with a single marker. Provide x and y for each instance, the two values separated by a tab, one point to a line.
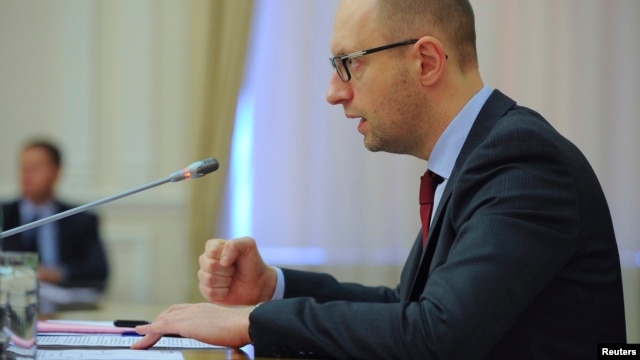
47	234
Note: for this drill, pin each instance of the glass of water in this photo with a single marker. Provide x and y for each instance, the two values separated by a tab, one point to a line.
18	304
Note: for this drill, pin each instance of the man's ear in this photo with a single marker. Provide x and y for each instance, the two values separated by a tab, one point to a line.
432	60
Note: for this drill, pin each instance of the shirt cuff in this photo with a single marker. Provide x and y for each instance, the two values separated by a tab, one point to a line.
278	294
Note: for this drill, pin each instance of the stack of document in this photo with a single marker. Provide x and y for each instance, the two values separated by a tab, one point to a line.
62	339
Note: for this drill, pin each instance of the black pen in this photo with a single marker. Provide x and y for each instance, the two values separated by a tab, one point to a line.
134	323
129	323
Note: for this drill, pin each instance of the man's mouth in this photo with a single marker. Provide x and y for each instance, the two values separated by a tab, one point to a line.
361	125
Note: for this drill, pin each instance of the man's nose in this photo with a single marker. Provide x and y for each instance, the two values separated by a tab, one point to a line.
339	91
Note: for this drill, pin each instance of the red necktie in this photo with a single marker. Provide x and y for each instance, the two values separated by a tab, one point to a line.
428	183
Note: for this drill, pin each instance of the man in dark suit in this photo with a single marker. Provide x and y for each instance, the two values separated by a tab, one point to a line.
70	250
521	261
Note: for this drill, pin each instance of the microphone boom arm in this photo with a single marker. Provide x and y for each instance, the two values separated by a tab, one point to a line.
203	167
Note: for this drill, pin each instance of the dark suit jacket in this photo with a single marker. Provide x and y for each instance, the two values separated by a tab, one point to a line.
521	263
80	247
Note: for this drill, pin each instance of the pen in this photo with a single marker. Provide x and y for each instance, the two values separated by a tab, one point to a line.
129	323
130	333
134	323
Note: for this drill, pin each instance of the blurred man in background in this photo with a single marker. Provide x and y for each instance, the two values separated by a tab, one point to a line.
70	250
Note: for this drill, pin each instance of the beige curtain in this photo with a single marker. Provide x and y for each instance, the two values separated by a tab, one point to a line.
220	36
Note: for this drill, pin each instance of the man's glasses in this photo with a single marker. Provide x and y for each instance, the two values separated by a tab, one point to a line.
340	62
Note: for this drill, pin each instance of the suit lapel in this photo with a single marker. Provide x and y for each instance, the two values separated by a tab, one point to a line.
427	256
410	269
496	106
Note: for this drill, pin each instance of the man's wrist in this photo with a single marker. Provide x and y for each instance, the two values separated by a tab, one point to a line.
249	327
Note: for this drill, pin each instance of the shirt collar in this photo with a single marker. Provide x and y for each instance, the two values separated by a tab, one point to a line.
28	209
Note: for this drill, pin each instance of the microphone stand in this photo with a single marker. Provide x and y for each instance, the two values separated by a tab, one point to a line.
195	170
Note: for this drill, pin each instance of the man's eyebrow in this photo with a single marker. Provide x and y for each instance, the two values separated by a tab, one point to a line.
344	52
341	49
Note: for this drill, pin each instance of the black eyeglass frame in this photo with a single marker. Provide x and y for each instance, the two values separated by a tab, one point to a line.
343	58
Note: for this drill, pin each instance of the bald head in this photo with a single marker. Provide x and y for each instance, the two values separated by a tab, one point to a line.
451	21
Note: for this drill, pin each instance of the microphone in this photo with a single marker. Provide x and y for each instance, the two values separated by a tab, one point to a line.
193	171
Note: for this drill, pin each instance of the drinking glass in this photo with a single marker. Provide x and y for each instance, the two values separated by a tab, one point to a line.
18	304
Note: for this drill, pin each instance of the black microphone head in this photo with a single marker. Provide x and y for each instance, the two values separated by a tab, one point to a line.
207	166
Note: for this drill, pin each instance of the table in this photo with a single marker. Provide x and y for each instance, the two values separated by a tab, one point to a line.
107	311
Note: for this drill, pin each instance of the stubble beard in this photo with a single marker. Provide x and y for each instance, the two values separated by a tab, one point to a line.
377	142
396	130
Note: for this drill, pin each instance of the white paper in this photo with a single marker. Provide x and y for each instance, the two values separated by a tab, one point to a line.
61	354
119	341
